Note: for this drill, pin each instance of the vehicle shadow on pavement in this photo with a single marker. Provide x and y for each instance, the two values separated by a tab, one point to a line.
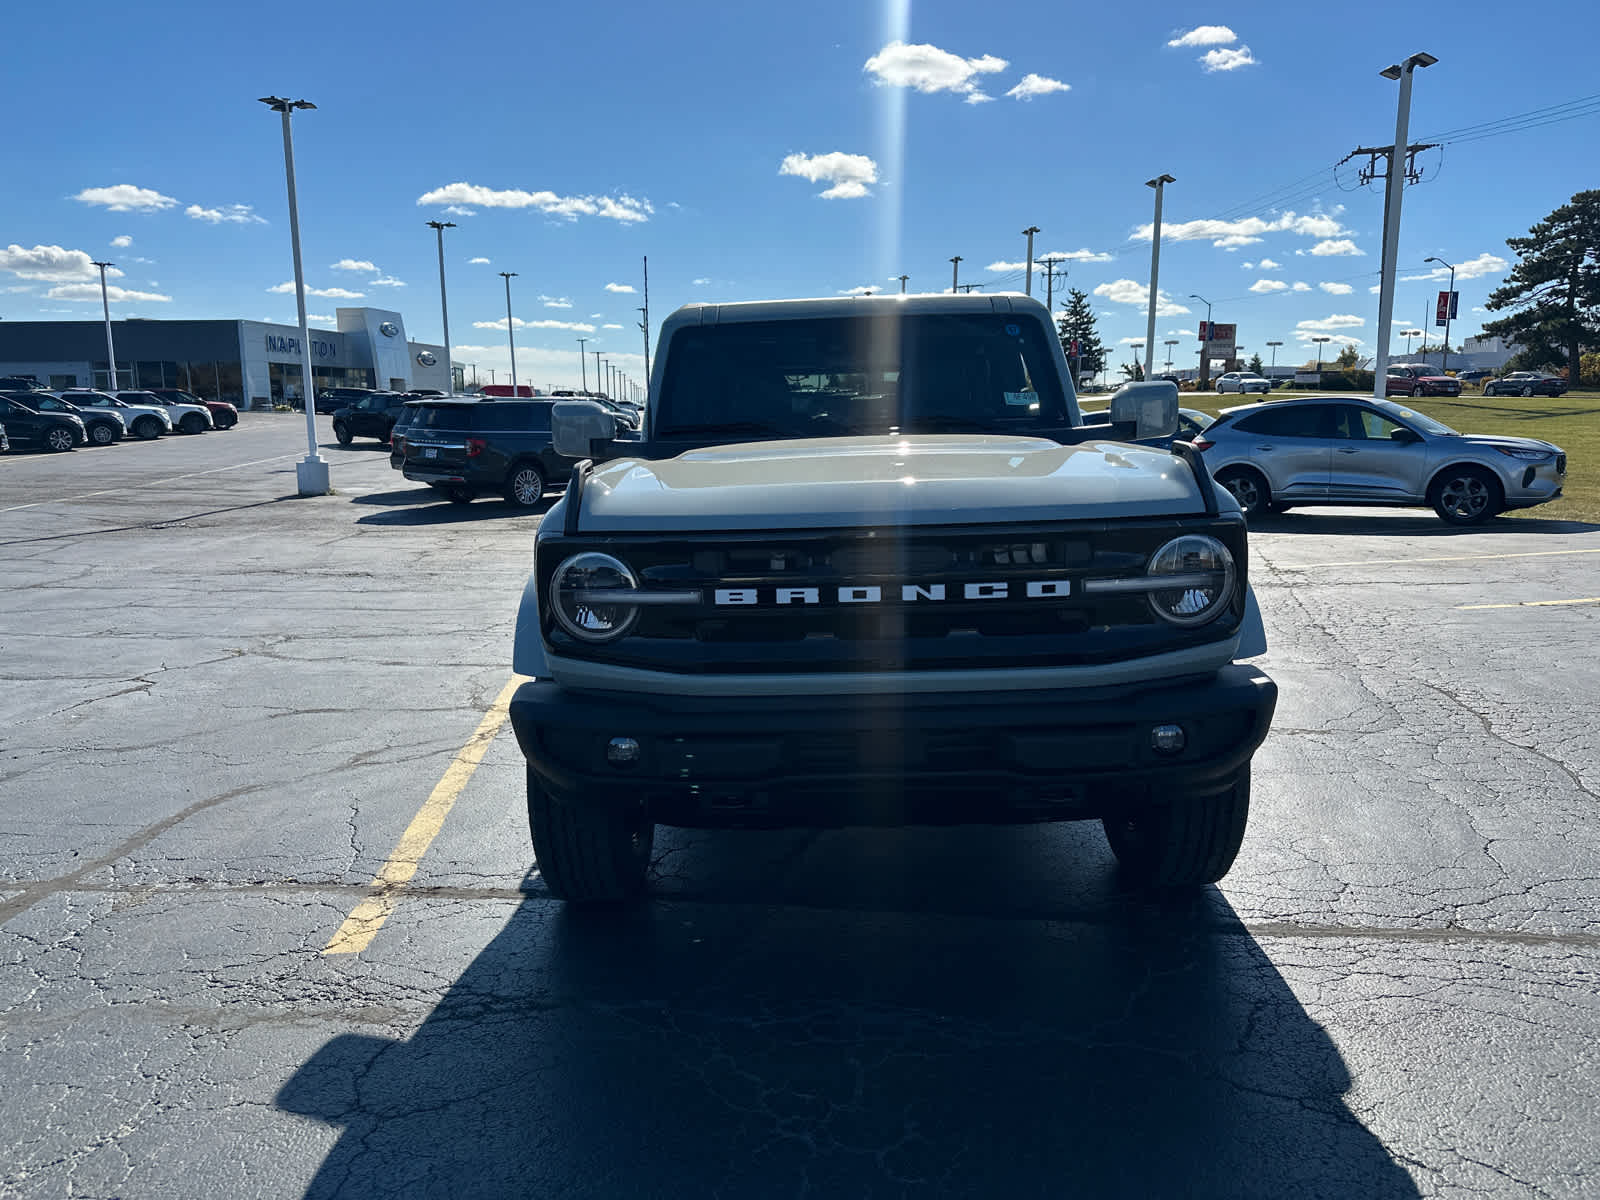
1389	524
422	506
735	1048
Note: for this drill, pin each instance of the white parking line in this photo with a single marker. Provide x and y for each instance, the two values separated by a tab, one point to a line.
152	483
1390	562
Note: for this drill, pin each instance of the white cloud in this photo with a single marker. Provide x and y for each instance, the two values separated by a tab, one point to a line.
237	214
323	317
1334	339
1227	60
1229	233
1206	35
626	289
124	197
1131	341
1084	255
470	261
930	69
617	208
611	327
456	210
848	173
1484	264
91	291
1269	285
122	242
51	264
1374	289
1479	309
1246	266
594	316
1336	246
1000	264
1266	264
1301	287
386	281
333	293
1037	85
556	301
701	282
353	264
1234	241
1336	321
863	290
519	323
1131	291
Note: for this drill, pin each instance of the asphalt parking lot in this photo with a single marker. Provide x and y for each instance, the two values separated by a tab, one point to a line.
226	707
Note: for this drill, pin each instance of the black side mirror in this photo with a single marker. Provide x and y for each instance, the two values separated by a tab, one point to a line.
1406	437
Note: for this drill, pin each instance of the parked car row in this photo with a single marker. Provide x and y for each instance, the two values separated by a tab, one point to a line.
39	419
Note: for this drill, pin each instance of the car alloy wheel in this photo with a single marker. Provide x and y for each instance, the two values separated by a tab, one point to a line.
1465	497
59	439
525	487
102	434
1527	391
1416	391
147	428
1248	489
193	423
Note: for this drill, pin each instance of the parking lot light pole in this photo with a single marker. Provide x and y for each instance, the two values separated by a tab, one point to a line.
1391	210
511	336
1450	304
105	304
1028	233
1159	183
1169	343
583	364
444	307
311	472
1320	341
1274	367
1205	343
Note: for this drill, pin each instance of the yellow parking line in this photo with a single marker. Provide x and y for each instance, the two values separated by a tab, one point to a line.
1389	562
369	916
1531	604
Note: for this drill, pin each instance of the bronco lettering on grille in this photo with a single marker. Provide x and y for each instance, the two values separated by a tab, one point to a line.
910	593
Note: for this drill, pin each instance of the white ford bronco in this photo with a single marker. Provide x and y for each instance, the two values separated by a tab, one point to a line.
866	566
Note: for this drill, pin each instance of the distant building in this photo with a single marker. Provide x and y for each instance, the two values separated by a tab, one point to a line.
253	364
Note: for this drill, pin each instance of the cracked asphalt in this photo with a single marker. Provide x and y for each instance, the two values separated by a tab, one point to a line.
223	705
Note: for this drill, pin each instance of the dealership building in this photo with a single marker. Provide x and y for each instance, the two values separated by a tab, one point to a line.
253	364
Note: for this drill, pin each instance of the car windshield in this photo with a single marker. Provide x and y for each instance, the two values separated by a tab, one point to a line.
1417	420
925	373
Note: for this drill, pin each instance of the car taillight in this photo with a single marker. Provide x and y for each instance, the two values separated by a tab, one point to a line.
1201	443
476	446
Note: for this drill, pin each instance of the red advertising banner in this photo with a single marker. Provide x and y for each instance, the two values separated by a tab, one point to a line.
1446	308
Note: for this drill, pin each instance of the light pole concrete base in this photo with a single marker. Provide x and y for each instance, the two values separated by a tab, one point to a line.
311	472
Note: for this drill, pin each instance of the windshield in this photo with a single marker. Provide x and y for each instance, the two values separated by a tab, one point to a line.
1417	420
984	372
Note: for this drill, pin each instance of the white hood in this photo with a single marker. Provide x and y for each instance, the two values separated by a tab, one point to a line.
921	479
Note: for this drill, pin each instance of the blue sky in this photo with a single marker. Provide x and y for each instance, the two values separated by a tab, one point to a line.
762	150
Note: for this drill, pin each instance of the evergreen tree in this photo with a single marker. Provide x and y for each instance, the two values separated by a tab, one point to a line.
1554	290
1348	359
1077	322
1256	364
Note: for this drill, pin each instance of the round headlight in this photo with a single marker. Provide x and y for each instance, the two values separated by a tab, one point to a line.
577	607
1203	577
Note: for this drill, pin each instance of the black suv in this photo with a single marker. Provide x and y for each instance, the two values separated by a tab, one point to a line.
331	400
371	416
27	426
465	448
102	426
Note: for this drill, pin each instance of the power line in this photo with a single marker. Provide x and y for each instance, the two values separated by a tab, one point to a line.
1568	110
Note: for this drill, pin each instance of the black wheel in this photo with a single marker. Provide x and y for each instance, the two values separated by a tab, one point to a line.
102	434
1527	391
525	485
1184	842
458	494
59	439
192	423
1466	495
342	432
589	854
1416	391
147	428
1249	488
228	422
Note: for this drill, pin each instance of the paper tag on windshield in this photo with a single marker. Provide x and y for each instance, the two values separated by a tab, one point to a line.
1022	399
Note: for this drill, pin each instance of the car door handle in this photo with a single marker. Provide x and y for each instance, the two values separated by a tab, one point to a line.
1266	447
1348	450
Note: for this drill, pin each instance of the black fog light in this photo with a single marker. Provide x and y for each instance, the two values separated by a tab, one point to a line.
622	751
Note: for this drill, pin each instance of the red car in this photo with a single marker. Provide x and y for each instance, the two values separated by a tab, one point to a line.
1419	379
223	414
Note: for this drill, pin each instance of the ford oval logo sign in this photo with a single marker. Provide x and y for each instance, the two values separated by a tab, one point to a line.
426	358
389	329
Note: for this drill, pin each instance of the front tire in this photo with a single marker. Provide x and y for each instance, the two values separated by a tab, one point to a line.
342	432
1185	842
1466	496
102	434
1416	391
192	423
589	855
59	439
525	485
148	428
1249	488
1527	391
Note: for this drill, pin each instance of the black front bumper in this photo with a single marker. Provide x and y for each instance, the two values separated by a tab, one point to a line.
997	757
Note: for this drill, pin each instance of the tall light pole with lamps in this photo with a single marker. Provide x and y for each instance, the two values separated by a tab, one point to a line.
1391	211
1205	343
1321	342
1028	233
444	307
511	335
311	472
1169	343
583	363
1159	183
105	304
1449	307
1272	370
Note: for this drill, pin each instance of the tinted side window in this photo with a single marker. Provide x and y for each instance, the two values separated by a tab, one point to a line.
453	417
1308	421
